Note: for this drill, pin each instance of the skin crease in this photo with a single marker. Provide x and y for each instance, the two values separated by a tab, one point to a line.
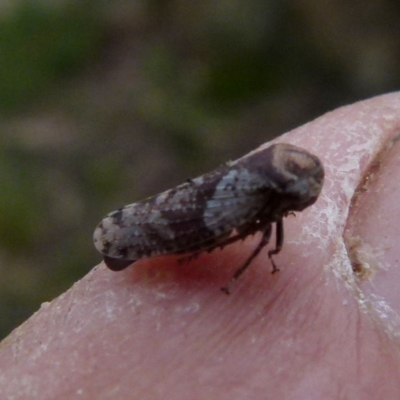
158	330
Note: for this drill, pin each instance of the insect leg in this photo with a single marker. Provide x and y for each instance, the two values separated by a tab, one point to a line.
264	241
278	244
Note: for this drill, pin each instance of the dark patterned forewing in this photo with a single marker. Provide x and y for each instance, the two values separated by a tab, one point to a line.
198	215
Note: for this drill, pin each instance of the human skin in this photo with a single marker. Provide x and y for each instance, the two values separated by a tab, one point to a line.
315	330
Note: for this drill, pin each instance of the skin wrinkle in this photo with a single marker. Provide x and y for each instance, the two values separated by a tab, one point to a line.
369	305
349	173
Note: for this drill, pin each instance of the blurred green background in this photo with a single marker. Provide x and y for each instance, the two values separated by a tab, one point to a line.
103	103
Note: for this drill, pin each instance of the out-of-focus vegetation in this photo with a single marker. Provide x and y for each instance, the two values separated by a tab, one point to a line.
102	103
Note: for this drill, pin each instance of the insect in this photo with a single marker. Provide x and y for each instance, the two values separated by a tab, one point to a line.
234	201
